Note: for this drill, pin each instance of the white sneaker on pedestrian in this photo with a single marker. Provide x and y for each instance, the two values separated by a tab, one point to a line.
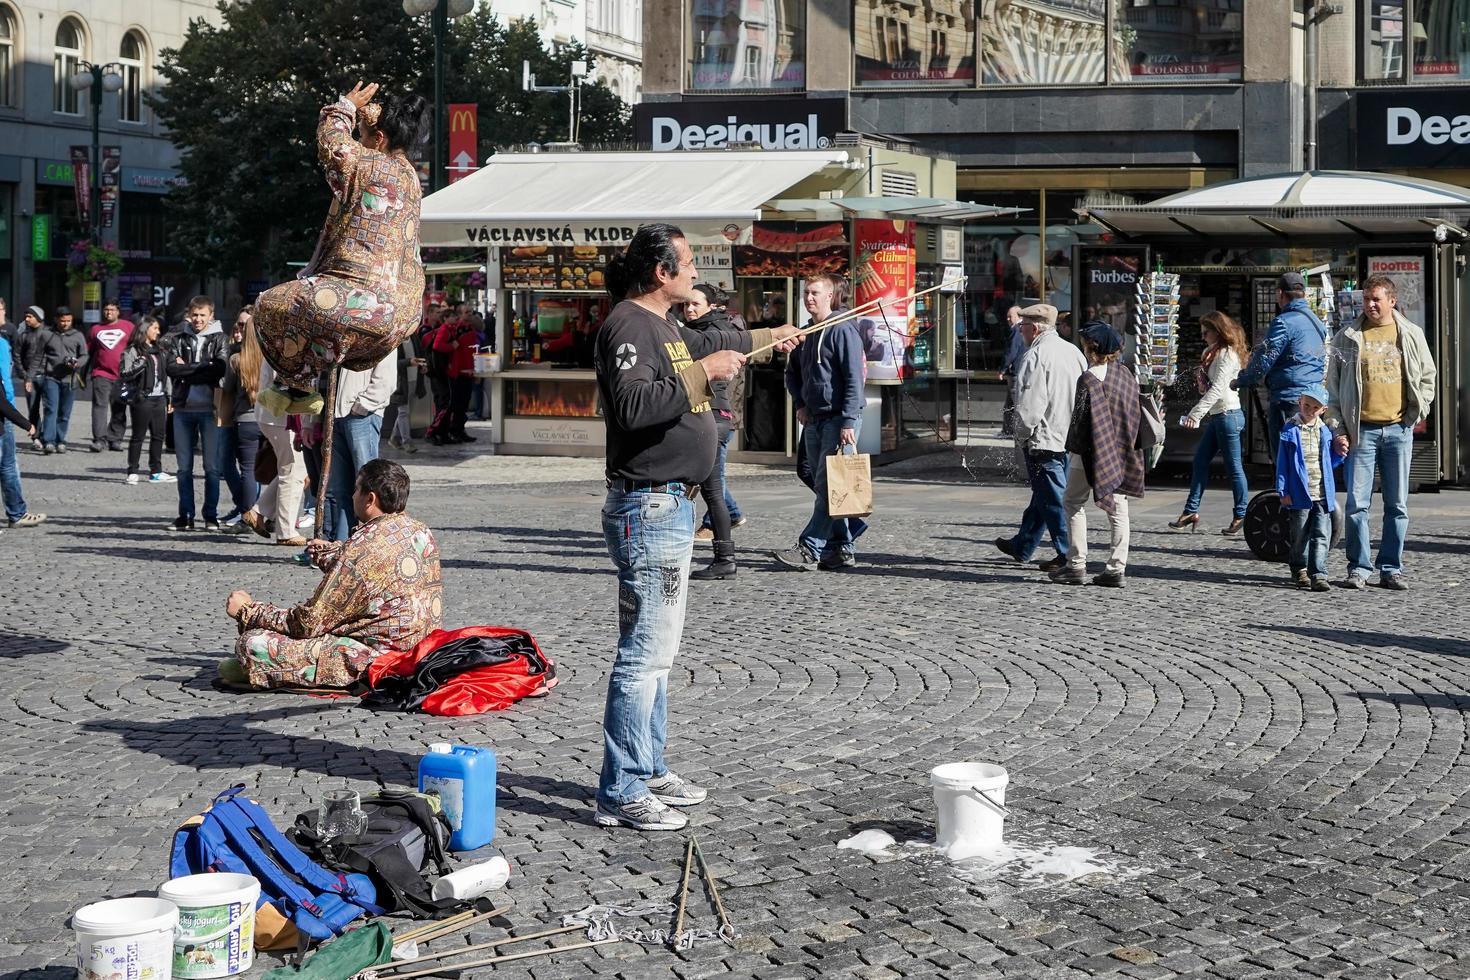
308	519
644	813
163	478
671	789
132	480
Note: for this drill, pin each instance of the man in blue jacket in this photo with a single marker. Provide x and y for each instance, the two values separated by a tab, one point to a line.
825	379
1291	360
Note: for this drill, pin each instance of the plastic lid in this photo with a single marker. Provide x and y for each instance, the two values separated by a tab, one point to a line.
441	748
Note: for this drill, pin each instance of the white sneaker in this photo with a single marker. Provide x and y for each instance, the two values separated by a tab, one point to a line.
163	478
645	813
132	480
307	519
671	789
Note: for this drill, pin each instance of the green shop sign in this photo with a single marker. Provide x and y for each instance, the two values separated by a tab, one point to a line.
41	238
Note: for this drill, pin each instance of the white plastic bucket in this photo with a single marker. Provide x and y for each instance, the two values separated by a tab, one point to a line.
216	934
487	363
125	939
969	801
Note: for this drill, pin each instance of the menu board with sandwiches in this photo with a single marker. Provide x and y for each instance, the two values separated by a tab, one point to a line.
558	268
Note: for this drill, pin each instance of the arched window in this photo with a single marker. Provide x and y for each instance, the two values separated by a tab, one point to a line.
132	58
9	42
70	41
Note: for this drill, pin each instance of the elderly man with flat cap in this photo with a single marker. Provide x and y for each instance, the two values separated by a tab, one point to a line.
1046	385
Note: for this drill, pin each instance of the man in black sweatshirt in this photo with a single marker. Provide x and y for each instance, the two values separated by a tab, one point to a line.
63	357
653	378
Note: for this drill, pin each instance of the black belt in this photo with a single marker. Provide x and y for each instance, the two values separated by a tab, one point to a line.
690	490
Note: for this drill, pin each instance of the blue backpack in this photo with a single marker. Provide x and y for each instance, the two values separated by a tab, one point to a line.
300	901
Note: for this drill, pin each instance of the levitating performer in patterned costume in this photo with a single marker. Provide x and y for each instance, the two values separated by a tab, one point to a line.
362	292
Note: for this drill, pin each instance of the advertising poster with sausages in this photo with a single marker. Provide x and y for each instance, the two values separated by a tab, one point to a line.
884	272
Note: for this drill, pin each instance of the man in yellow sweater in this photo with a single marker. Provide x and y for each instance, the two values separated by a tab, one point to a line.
1381	378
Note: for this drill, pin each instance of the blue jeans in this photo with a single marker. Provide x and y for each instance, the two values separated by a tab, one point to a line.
1311	536
196	432
855	525
15	501
823	535
1047	474
722	455
1385	450
1219	433
650	537
238	444
355	440
57	396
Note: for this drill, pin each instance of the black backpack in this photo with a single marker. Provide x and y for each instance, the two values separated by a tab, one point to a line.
406	838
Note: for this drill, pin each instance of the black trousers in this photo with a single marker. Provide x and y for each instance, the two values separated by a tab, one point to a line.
459	403
150	418
712	490
109	417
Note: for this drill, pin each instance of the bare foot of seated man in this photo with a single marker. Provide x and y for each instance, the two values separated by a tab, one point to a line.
380	591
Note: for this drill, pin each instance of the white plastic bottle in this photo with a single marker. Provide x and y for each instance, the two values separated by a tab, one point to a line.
472	882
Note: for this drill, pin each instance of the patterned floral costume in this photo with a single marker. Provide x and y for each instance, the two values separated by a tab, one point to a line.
362	293
381	592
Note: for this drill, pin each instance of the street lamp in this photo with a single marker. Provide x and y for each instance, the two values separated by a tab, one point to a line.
100	79
442	10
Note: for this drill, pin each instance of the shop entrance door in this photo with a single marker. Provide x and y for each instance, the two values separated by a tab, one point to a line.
766	302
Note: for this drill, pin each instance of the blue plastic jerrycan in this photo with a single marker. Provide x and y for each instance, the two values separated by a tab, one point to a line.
464	778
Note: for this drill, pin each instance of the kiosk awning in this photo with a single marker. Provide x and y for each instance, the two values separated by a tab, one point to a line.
602	198
914	208
1315	204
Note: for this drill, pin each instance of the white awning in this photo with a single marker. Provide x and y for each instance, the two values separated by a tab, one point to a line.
915	208
1283	207
602	198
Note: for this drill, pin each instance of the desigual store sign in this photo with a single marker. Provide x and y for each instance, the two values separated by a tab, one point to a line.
770	123
1407	128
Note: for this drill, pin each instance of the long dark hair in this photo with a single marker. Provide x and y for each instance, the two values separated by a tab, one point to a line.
139	340
635	272
1229	333
405	121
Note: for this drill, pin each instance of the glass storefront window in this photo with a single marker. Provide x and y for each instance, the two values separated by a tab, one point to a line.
1177	40
1383	40
895	44
1043	42
1441	36
747	45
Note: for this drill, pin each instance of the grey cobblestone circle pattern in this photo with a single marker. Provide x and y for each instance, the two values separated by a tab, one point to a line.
1275	780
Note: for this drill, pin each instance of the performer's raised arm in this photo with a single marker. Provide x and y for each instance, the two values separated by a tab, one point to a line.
337	150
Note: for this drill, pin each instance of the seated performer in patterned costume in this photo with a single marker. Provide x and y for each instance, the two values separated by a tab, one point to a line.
362	292
381	592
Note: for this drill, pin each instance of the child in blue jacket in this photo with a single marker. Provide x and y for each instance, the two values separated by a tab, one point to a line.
1304	462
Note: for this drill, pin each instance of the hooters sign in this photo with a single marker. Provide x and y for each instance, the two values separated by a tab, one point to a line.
464	139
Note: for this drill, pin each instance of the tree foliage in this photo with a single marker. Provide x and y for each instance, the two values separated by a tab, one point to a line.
241	99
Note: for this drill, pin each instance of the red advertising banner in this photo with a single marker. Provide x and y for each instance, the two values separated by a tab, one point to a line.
111	172
884	272
81	179
464	140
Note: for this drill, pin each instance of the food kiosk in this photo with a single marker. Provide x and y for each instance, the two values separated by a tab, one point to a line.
1228	243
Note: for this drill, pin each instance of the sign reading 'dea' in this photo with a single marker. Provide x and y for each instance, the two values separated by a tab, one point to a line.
771	123
1413	128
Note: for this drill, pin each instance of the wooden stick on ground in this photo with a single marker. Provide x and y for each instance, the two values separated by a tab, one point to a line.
475	964
683	895
475	949
727	931
871	306
427	927
462	925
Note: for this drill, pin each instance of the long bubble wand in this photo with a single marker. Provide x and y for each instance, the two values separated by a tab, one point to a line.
871	306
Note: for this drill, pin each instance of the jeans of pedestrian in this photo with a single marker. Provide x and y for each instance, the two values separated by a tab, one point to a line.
1311	536
15	501
280	501
1047	473
855	525
721	511
824	536
150	415
109	417
238	446
355	440
1074	501
650	537
58	396
1385	450
195	433
1220	433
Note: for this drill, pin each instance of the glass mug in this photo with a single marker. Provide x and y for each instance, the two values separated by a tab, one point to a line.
340	815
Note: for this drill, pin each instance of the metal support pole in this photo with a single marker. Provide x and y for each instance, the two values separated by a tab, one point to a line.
1309	84
441	24
96	175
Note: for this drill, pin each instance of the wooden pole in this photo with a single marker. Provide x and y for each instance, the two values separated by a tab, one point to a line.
329	414
475	964
871	306
683	895
475	949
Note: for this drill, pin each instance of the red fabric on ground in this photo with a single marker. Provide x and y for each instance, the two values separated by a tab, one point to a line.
475	691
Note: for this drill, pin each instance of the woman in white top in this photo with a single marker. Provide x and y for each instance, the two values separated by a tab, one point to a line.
1223	421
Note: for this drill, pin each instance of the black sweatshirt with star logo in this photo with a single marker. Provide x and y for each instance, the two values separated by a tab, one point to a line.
655	395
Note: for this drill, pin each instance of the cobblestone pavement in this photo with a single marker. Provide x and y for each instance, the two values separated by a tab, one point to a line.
1262	782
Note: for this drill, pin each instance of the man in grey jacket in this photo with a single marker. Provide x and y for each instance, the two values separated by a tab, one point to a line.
1381	379
1046	387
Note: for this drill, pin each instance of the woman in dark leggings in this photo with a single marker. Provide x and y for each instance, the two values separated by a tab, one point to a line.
143	370
705	313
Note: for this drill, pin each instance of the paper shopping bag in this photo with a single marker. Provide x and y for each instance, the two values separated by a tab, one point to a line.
849	485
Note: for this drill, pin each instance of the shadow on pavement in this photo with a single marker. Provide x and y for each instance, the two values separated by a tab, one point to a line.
1360	638
1418	699
227	741
176	555
25	645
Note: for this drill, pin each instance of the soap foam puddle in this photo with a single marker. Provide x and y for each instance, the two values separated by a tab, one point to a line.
1044	864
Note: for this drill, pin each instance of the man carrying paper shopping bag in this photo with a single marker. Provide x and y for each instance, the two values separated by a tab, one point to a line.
825	378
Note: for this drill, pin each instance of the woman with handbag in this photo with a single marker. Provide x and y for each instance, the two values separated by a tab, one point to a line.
1223	421
144	387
